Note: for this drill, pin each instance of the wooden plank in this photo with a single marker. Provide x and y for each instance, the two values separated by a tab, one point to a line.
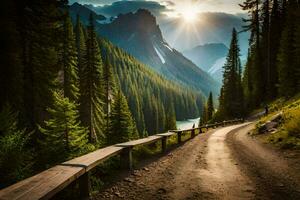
166	134
44	185
143	141
93	159
49	182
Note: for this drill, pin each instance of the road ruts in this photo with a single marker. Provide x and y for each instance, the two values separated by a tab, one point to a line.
220	164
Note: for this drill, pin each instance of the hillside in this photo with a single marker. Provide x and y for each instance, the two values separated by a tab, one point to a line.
150	95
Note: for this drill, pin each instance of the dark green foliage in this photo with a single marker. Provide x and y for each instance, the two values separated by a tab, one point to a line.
208	111
92	88
81	55
39	29
288	57
69	61
122	127
149	94
109	90
170	118
11	67
272	69
203	118
63	135
15	156
210	107
231	101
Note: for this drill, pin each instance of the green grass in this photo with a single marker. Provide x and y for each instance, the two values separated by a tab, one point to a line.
288	134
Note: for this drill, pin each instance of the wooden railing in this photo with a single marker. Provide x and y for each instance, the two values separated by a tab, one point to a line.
48	183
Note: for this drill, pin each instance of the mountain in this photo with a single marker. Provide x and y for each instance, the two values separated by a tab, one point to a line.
139	34
84	13
210	27
216	70
205	56
150	96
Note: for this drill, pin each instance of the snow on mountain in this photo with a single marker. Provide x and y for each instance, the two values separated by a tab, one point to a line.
159	55
216	71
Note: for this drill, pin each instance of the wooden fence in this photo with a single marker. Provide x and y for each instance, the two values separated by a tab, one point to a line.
49	182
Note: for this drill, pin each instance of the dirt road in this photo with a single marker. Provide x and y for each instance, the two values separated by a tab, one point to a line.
224	163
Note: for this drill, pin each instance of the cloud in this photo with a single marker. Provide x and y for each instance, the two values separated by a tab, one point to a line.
122	7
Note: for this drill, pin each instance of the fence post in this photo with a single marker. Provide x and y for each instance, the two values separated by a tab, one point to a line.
179	133
84	186
164	144
193	133
126	158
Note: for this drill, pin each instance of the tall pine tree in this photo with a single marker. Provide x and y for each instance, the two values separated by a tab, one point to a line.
69	61
210	107
91	102
231	104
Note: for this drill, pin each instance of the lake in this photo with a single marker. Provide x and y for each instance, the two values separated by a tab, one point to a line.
187	124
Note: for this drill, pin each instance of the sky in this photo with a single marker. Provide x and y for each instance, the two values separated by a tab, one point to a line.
184	23
175	7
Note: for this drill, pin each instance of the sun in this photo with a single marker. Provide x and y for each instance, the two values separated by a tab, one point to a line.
189	13
189	17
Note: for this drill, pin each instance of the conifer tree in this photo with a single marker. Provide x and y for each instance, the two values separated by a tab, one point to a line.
203	117
287	58
170	118
122	126
210	107
265	50
69	61
64	137
231	104
255	67
81	51
276	26
40	23
92	88
108	88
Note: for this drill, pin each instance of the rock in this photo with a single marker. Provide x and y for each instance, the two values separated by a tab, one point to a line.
277	118
118	194
146	169
270	125
130	180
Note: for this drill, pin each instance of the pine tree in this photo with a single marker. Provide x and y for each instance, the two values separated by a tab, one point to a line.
69	61
276	26
81	53
256	89
15	155
203	118
231	104
265	50
39	27
92	88
287	69
122	126
210	107
109	87
64	137
170	118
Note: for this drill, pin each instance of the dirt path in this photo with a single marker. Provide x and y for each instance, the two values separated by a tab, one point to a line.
214	165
